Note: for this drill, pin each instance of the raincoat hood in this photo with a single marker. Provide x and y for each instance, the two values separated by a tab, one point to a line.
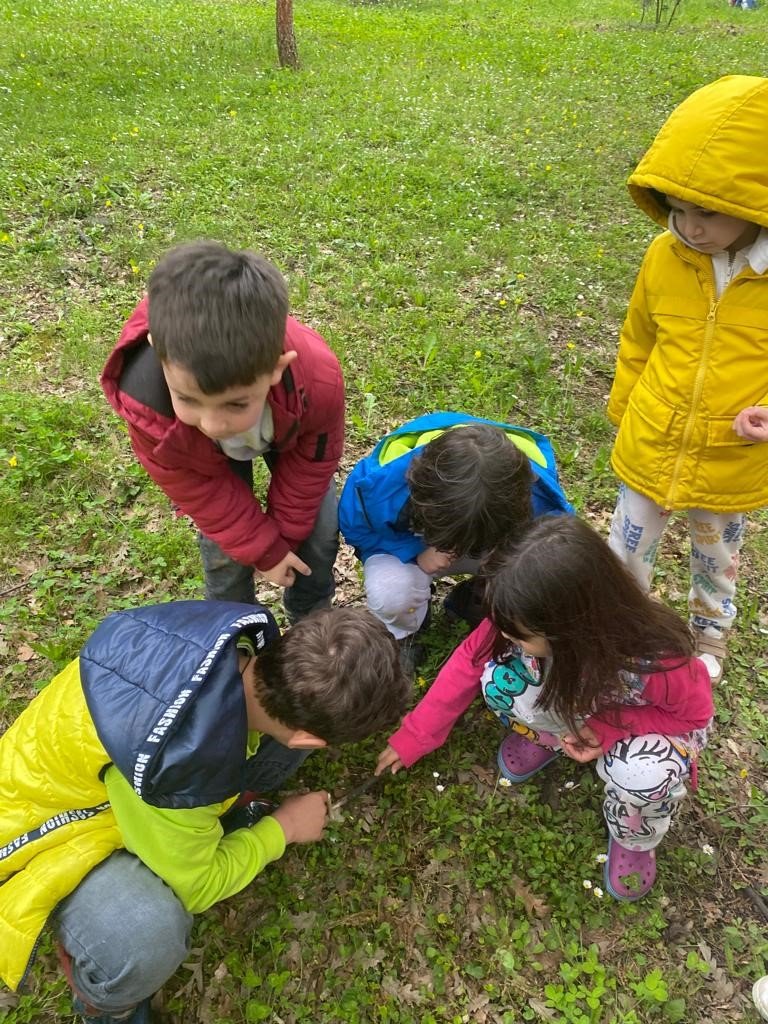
711	152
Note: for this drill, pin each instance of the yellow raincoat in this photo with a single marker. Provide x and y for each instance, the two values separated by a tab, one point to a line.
689	362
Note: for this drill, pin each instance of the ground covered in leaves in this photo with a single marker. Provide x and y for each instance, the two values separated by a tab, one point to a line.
443	184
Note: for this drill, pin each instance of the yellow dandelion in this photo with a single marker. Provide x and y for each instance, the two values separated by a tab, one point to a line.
107	203
13	461
478	353
743	773
520	277
502	302
232	113
570	344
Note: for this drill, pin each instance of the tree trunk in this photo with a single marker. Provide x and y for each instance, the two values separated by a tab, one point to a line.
286	40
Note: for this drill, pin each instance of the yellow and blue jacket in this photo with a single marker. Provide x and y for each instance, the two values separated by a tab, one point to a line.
142	742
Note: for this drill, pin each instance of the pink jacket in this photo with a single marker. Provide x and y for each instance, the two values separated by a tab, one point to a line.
679	701
308	414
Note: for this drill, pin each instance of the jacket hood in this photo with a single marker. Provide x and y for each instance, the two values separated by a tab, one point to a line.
710	152
164	690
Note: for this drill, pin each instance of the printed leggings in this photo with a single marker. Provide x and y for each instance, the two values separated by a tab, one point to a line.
716	540
644	780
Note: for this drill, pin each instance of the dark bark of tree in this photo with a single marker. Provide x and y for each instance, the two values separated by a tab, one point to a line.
287	53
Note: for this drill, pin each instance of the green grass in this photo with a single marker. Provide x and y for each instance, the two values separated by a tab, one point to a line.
443	185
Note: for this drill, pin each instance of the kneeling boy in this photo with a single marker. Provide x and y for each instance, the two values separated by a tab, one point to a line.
118	783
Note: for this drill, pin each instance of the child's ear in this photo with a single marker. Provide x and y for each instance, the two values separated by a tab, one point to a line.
284	361
300	739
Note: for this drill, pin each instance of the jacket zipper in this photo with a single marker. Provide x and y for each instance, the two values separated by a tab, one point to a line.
30	962
697	389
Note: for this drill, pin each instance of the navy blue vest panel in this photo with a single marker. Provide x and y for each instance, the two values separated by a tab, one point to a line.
164	689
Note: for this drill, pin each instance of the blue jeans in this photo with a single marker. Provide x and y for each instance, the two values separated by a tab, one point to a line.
228	580
124	928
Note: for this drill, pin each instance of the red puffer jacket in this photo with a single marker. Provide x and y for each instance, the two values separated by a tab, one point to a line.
308	415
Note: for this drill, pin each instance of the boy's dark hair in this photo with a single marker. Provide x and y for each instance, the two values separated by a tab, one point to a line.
336	674
218	313
563	582
470	490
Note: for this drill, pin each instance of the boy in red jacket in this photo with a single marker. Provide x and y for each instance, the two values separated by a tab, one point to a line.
211	372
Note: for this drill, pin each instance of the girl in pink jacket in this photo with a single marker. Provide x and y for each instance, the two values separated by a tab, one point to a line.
575	659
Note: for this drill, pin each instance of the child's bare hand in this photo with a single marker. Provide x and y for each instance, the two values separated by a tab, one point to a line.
284	573
582	746
303	818
431	560
388	758
752	423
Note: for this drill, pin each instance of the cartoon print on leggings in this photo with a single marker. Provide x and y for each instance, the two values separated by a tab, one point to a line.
644	784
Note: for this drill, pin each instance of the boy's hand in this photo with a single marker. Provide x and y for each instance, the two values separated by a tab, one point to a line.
388	758
431	561
582	747
752	423
303	818
284	573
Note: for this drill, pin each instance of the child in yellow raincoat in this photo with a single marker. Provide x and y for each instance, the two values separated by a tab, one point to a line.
690	394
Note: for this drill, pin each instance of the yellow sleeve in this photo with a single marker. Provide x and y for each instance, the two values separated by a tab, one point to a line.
638	336
187	848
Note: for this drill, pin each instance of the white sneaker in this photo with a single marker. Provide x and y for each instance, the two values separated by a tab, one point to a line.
760	996
714	667
711	649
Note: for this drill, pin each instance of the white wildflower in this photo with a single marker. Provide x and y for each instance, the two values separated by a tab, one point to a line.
439	788
598	892
569	785
706	848
435	775
587	884
504	782
601	858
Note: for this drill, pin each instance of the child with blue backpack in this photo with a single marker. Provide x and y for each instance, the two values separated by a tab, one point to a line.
435	497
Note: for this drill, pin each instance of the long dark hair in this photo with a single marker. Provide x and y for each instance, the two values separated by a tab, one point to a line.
560	580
